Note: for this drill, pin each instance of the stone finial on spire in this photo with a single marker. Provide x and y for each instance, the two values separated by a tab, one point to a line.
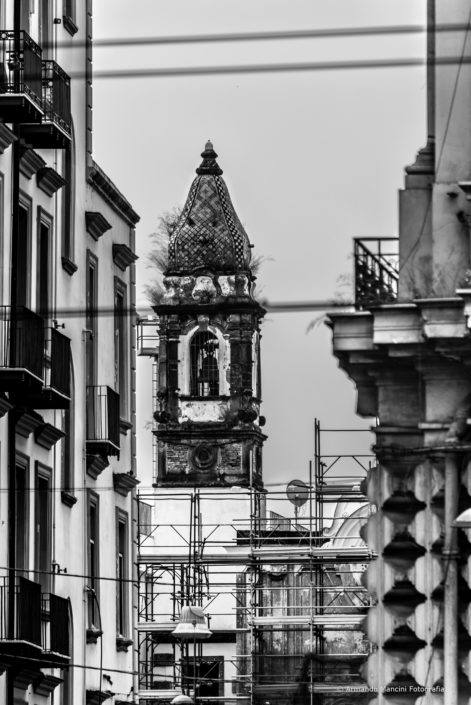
209	164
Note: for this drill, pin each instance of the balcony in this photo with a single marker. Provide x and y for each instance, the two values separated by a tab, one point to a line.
34	360
39	629
55	630
20	636
21	350
102	421
54	132
376	271
21	92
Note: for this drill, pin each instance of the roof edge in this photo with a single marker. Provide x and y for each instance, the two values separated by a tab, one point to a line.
103	185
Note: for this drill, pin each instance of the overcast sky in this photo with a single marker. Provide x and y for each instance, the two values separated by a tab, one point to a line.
311	160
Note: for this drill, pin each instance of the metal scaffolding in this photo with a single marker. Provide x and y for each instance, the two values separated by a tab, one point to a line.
282	595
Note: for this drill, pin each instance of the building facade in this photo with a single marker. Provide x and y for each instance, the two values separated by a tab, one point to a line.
67	448
407	349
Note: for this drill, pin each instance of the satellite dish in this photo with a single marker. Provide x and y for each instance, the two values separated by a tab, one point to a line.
297	492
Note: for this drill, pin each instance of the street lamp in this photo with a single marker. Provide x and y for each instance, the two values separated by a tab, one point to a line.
463	520
192	626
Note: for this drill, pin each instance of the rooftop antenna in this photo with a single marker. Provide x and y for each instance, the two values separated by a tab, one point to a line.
298	493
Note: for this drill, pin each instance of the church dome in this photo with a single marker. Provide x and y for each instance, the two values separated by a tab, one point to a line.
208	234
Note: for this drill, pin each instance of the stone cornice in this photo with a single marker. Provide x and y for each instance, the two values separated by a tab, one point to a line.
103	185
49	180
28	422
5	405
96	224
46	684
123	256
123	483
30	162
7	137
47	435
96	463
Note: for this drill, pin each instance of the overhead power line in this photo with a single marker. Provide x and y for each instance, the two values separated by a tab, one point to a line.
270	306
274	35
360	64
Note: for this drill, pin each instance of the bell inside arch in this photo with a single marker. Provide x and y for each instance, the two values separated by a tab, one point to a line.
192	625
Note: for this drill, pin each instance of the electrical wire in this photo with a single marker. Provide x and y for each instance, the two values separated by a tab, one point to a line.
270	306
308	66
294	34
80	665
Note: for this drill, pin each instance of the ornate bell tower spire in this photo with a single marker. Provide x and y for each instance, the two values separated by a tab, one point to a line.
208	400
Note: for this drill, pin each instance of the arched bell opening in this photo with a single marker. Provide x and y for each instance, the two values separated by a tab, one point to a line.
204	365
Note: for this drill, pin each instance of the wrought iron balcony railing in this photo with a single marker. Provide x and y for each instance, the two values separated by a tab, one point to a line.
21	93
55	130
20	633
376	271
56	95
21	342
102	420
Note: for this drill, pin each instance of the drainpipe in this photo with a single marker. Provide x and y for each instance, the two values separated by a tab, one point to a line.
450	559
134	497
13	415
430	71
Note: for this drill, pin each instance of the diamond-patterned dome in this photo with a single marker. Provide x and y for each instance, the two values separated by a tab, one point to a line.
208	234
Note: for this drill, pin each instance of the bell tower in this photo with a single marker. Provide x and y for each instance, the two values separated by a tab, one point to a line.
209	384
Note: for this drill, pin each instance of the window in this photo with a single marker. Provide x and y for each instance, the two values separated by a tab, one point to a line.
21	512
45	28
93	559
43	526
2	213
70	17
208	676
67	674
43	263
204	348
67	444
68	207
25	10
23	254
121	573
120	346
91	317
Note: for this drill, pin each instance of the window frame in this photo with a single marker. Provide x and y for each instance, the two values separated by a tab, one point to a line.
91	324
44	220
93	558
196	357
68	206
26	204
46	28
122	576
43	525
121	342
22	463
68	445
2	209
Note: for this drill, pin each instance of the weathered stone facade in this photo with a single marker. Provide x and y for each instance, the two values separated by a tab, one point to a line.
209	398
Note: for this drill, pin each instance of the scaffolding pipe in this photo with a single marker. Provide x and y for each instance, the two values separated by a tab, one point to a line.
450	554
311	599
